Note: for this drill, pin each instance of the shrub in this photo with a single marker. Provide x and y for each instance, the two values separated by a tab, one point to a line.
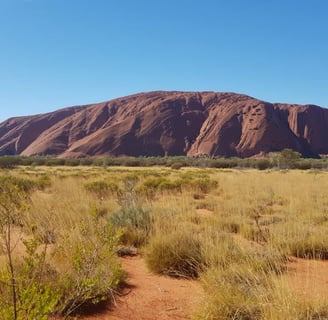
152	185
8	162
263	164
101	188
49	161
223	163
86	161
31	286
133	219
92	272
131	162
28	290
304	165
21	185
177	165
170	186
72	162
24	290
204	185
176	254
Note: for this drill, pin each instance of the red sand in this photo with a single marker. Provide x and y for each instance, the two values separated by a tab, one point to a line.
150	296
308	277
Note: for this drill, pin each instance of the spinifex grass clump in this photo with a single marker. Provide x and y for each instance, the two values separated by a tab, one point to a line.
177	254
238	279
234	293
303	241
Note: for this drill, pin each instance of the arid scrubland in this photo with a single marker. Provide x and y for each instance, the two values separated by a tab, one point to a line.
234	230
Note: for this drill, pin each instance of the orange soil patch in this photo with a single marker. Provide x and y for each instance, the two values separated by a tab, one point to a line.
149	296
308	277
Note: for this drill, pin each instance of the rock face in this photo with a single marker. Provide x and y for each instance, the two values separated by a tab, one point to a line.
170	123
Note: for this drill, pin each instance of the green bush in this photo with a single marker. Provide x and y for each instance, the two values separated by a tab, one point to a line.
177	165
29	291
25	292
152	185
72	162
102	189
204	185
7	162
263	164
30	285
92	271
133	220
49	161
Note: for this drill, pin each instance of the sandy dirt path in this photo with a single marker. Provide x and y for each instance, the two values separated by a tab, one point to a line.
152	297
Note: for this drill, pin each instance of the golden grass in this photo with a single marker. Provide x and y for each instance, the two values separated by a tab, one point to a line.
254	221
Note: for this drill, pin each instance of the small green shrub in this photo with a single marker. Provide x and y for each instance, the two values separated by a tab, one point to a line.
133	220
36	295
22	185
263	164
153	185
8	162
92	271
170	186
31	287
131	162
177	165
205	185
202	185
49	161
102	189
25	290
72	162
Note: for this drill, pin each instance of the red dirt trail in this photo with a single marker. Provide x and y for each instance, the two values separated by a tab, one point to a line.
149	296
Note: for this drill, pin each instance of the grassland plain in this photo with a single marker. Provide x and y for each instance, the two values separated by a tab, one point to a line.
235	231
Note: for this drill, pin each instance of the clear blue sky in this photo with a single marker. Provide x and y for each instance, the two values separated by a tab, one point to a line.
57	53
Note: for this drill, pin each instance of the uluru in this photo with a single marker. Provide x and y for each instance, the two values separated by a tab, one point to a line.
170	123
